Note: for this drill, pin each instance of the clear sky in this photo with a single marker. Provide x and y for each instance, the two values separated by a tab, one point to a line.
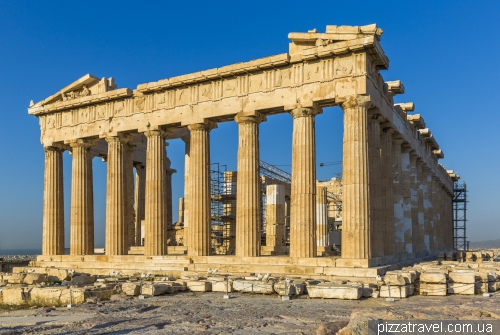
445	52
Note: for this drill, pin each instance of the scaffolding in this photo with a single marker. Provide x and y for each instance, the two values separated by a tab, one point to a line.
460	216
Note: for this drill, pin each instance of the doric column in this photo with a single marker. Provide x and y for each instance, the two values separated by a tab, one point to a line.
198	202
321	220
53	203
155	239
406	192
140	194
229	219
117	225
275	215
303	193
399	217
414	202
130	195
426	207
386	187
356	226
433	213
248	202
420	206
82	214
168	190
376	219
187	148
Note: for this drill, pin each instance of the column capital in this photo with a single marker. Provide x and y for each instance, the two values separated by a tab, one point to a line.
118	138
407	149
249	117
81	143
157	132
305	111
207	125
355	101
387	128
54	147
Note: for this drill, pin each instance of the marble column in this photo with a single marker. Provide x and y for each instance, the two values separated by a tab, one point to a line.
187	148
426	207
229	219
399	217
117	225
321	220
275	215
82	215
53	203
356	225
407	193
140	194
170	227
414	202
155	239
130	195
248	201
420	206
376	219
198	202
433	214
303	192
386	188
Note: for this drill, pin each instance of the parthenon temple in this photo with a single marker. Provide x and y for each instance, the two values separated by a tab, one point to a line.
396	199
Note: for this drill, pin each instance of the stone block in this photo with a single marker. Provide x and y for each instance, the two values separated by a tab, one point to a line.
61	274
131	289
220	286
433	289
482	287
332	291
199	285
399	292
461	288
462	277
83	280
411	276
34	278
152	289
15	295
367	292
395	279
288	289
101	294
433	278
253	286
14	278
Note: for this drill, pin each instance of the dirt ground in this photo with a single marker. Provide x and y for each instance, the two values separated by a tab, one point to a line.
209	313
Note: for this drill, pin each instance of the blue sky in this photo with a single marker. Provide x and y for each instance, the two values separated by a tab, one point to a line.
445	52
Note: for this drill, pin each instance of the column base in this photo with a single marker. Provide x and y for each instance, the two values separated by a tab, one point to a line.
325	251
274	250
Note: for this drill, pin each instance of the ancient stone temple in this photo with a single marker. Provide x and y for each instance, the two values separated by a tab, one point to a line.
396	197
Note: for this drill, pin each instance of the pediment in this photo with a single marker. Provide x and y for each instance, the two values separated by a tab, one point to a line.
85	86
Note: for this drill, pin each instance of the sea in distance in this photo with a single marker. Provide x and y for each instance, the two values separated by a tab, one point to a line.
13	252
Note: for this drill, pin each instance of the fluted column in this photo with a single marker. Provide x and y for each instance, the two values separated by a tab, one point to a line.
399	218
82	214
426	207
53	203
414	202
248	202
407	193
386	187
198	202
321	220
140	194
275	215
187	148
420	206
303	192
117	225
130	195
168	199
155	239
376	219
433	213
356	225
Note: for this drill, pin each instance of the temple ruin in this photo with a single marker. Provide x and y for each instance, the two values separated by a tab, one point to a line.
395	199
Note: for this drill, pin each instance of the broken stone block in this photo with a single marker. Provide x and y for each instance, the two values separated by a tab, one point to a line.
83	280
14	278
461	288
367	292
99	294
433	278
153	289
462	277
253	286
15	295
61	274
288	289
199	286
433	289
335	291
131	289
34	278
399	292
395	279
481	288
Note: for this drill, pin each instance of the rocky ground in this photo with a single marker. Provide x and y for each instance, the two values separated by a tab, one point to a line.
209	313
